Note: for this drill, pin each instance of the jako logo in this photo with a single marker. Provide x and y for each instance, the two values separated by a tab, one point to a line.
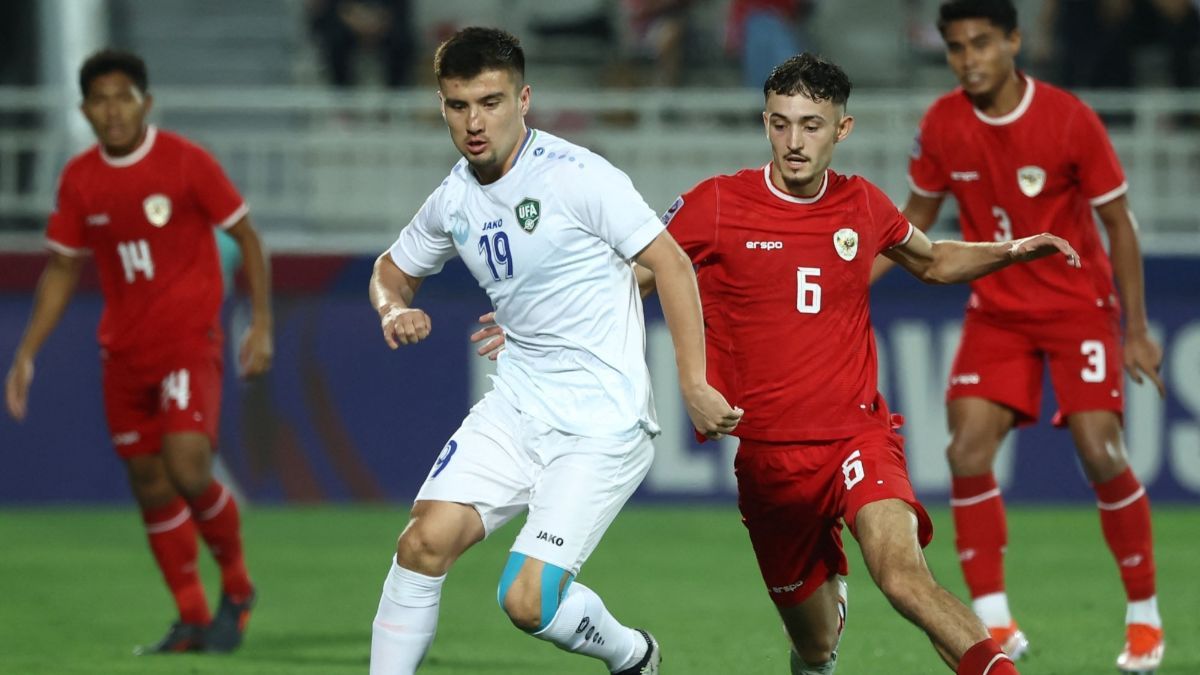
764	245
546	536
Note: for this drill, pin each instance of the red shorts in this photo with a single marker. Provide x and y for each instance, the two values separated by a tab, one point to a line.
1002	361
143	401
794	497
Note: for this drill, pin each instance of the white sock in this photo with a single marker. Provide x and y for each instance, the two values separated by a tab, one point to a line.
1144	611
406	621
992	610
582	625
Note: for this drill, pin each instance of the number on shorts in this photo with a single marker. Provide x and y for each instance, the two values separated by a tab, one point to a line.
175	389
444	458
1096	369
808	294
852	469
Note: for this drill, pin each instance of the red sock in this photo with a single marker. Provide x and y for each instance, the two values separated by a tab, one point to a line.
172	536
216	515
1125	519
986	658
980	532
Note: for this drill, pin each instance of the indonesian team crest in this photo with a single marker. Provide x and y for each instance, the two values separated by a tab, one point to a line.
1031	180
845	242
157	208
528	212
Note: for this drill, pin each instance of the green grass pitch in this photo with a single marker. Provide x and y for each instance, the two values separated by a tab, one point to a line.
78	590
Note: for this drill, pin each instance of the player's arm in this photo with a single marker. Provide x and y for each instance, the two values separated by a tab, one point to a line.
54	291
1142	353
392	291
258	344
953	262
680	298
922	212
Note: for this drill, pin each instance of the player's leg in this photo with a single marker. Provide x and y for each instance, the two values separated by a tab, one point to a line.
887	532
995	384
582	487
815	628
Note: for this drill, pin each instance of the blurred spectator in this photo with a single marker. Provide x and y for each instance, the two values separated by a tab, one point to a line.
765	33
348	30
660	28
1094	42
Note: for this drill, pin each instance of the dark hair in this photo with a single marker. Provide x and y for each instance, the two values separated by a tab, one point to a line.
473	50
108	61
1001	13
811	76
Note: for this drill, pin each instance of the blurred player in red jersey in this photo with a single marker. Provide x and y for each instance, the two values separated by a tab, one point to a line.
144	201
783	256
1021	156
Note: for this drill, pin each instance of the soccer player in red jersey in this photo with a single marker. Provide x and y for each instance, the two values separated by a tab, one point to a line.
783	256
1021	156
144	201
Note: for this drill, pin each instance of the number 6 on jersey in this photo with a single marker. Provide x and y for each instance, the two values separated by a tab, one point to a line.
808	293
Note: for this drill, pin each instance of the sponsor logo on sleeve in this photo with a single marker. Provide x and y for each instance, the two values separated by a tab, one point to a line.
669	215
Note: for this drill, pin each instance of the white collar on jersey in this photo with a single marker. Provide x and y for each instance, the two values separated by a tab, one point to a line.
1013	116
793	198
135	156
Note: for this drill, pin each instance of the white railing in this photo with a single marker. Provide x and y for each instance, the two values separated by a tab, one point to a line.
333	171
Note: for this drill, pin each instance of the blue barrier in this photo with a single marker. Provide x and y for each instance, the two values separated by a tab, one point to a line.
341	417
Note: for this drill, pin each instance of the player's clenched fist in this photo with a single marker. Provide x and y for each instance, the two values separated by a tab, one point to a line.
711	414
404	325
1040	246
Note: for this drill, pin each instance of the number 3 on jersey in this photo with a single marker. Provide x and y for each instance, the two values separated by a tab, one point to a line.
808	293
135	257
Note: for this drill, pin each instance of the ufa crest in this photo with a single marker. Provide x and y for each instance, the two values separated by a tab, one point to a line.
845	242
157	208
1031	180
528	212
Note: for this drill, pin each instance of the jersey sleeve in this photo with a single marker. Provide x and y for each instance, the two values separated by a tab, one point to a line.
926	175
218	199
692	220
64	232
1100	175
426	243
891	227
607	205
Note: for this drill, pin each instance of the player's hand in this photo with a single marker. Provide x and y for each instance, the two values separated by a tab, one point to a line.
1144	356
1040	246
16	387
258	348
404	326
492	333
711	414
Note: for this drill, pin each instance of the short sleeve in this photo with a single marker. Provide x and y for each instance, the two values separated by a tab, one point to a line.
607	205
218	199
64	232
926	176
692	220
891	227
1100	175
426	243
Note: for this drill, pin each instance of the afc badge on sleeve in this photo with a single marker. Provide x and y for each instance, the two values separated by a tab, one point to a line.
158	209
845	242
669	215
1031	180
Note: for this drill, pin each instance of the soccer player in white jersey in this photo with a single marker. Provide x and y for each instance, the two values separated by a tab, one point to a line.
550	231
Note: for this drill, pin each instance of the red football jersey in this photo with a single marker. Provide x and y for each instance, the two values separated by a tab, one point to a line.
147	218
1041	168
784	282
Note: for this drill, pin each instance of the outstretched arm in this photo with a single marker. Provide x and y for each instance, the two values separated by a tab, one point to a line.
676	282
953	262
258	345
1142	354
54	291
392	292
922	212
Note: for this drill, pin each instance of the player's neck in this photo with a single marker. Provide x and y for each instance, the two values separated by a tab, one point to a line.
1005	99
117	153
489	177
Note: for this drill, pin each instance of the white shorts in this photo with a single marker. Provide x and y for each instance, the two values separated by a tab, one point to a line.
502	462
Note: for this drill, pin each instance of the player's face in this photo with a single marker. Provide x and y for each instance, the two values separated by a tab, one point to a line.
486	118
981	55
802	134
116	109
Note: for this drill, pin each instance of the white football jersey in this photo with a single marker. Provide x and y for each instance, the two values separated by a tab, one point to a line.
551	243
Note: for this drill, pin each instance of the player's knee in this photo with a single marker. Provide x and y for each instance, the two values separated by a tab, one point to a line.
904	587
524	609
969	454
416	550
815	650
531	602
802	666
149	482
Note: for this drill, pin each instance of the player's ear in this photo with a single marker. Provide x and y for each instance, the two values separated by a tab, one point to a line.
1014	41
524	98
441	103
844	126
147	104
